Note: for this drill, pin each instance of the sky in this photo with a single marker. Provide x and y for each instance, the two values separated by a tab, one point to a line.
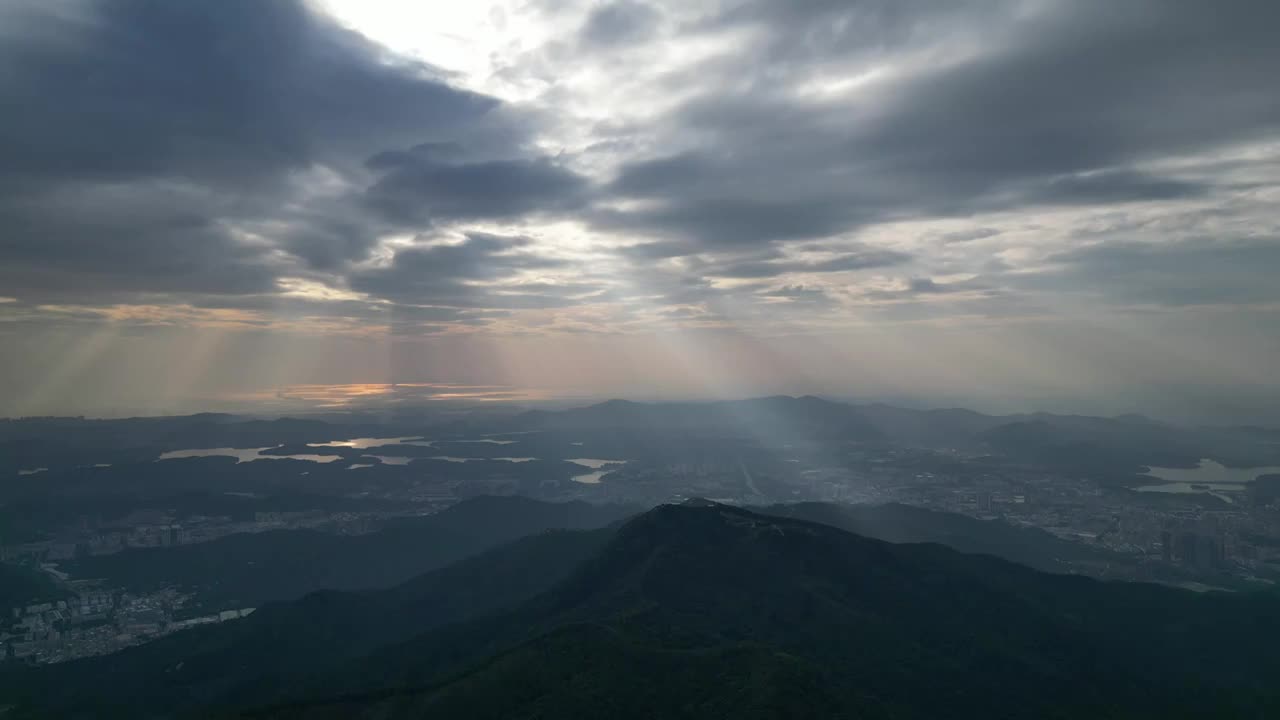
1005	204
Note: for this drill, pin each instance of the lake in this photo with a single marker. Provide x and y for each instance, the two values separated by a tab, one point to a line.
596	465
366	443
244	455
1215	476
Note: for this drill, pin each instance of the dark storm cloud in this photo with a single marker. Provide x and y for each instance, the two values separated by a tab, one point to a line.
77	241
1083	87
326	236
1048	103
962	236
656	250
864	259
722	201
1176	273
799	294
920	287
464	275
928	286
173	148
1109	186
234	90
418	189
204	151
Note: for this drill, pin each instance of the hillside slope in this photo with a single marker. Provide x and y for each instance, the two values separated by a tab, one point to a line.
710	611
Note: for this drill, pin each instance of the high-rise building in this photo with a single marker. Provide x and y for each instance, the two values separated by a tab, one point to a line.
1208	552
1185	551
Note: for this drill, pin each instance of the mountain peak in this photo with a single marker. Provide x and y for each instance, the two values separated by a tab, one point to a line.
672	546
700	502
616	403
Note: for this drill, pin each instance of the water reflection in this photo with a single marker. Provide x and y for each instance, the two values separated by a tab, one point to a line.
599	467
244	455
594	463
392	459
1209	477
1209	472
366	443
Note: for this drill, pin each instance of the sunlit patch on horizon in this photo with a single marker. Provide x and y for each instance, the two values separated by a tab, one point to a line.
351	395
160	315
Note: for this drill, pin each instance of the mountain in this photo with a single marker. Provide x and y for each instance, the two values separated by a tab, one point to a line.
247	570
1124	444
777	418
282	642
1119	445
243	660
710	611
705	611
1096	446
897	523
944	427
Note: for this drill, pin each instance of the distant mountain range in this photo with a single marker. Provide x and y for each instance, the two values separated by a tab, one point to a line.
1077	442
1074	442
699	611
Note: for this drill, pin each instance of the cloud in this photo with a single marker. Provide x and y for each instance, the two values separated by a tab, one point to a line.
174	148
474	273
733	167
367	395
799	294
1197	271
918	288
232	145
619	23
961	236
418	189
1017	105
1106	186
111	240
231	91
863	259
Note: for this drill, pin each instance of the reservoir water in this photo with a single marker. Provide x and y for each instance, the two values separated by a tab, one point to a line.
244	455
1208	476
